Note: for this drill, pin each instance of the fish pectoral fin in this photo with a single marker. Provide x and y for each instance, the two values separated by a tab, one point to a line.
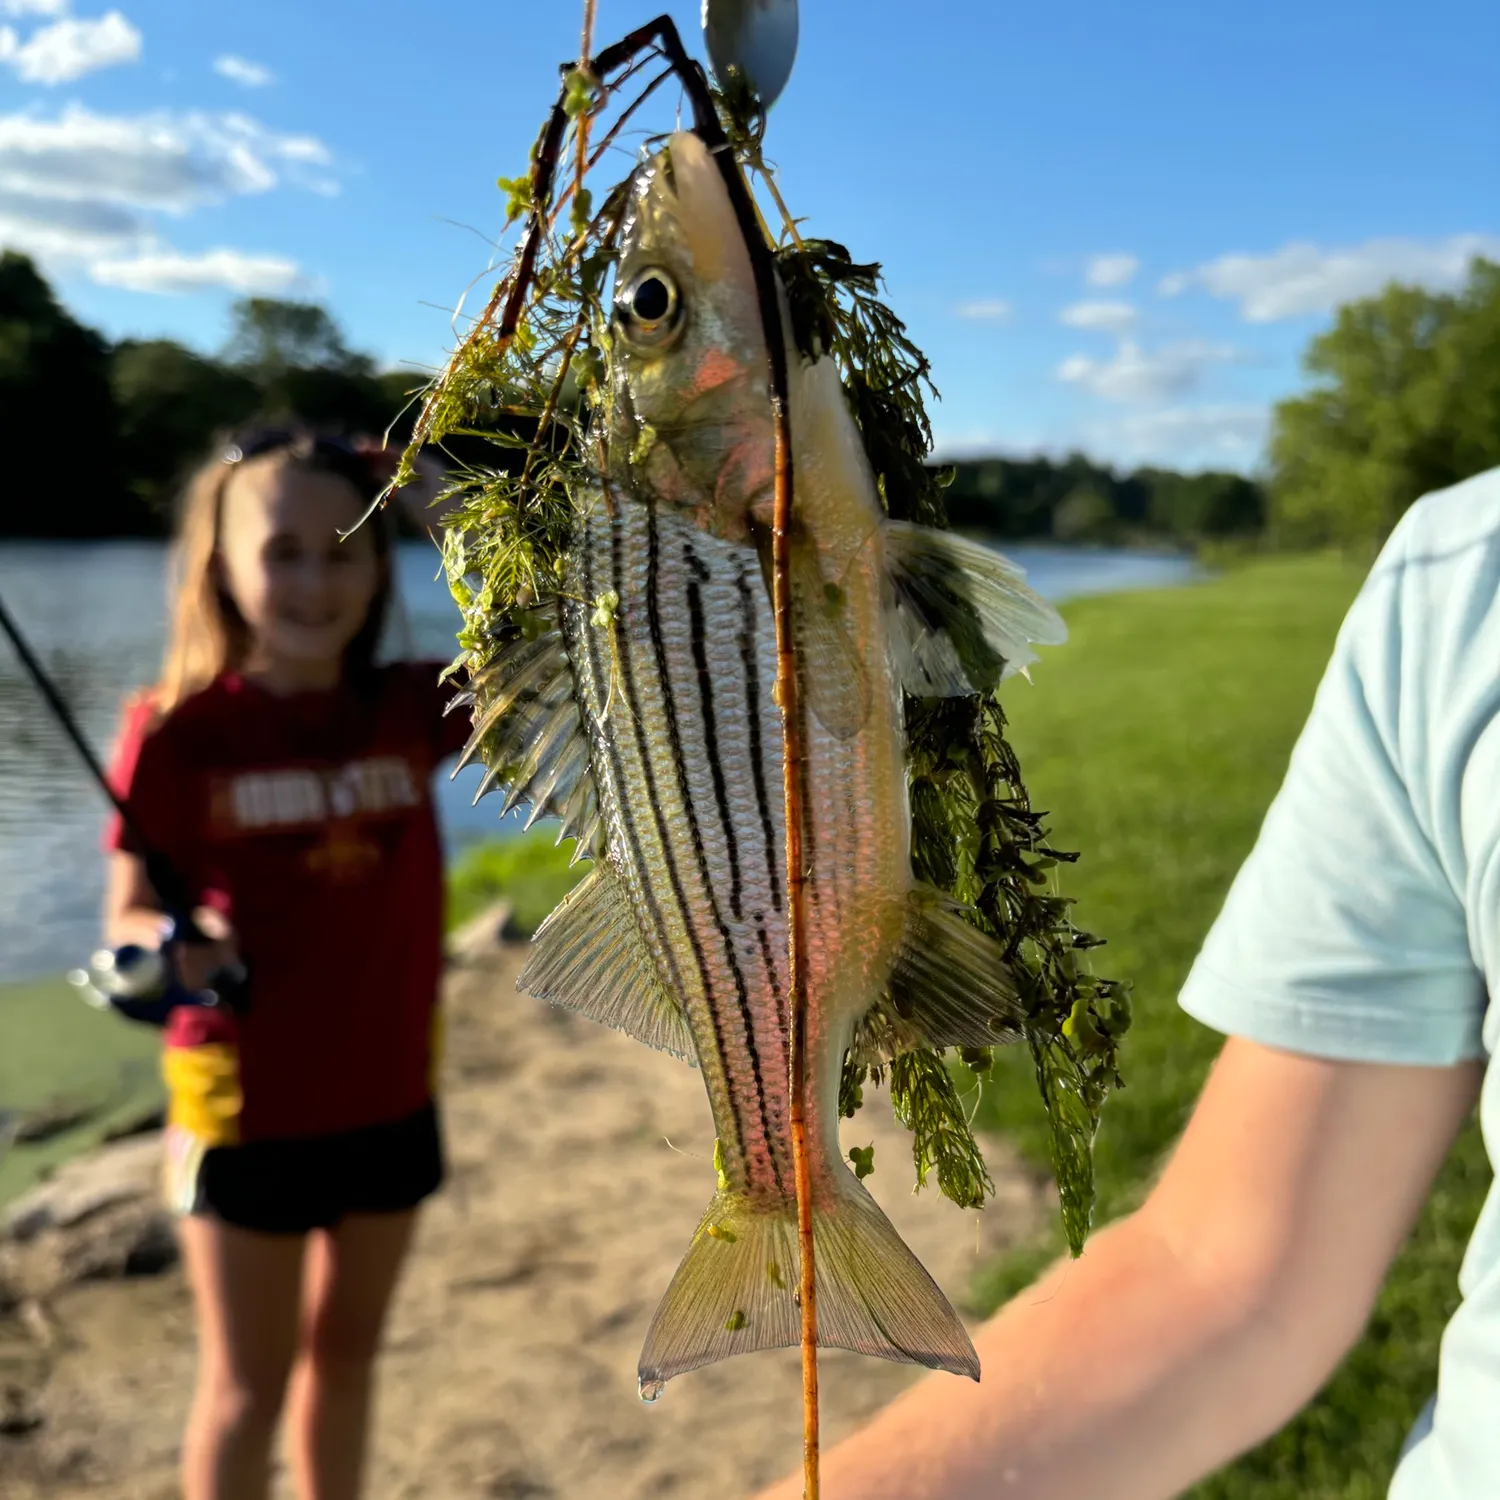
949	987
529	735
831	670
962	617
735	1290
589	956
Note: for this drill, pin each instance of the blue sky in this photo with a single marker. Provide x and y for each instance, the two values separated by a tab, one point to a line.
1112	226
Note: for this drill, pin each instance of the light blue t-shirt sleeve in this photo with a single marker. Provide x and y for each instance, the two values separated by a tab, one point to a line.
1344	934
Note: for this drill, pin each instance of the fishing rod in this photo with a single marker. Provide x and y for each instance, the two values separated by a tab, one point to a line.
137	982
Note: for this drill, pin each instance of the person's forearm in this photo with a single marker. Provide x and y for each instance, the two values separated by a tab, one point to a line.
1195	1328
1117	1377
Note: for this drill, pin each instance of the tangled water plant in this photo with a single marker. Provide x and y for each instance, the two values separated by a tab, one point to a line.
520	410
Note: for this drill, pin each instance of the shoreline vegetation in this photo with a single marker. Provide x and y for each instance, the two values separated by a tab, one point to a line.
1403	397
153	407
1159	736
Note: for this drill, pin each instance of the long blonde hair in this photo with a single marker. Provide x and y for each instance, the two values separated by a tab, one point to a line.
207	635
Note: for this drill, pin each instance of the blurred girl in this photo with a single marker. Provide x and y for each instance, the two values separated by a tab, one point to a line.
286	775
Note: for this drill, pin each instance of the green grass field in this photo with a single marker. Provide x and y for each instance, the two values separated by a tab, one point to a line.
1157	737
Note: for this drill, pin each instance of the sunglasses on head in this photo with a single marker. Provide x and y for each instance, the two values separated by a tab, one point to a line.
272	439
367	469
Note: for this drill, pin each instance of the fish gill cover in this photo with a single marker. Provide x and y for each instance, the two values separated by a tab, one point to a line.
523	410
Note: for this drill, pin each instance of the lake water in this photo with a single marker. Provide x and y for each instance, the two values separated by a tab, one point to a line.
94	613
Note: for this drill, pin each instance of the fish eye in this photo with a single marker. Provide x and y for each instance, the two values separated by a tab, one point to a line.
648	308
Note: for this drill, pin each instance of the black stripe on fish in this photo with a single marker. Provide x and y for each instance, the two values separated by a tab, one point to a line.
627	818
710	728
767	958
752	694
674	739
653	802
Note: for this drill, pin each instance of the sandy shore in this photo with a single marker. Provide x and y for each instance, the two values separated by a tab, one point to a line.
509	1371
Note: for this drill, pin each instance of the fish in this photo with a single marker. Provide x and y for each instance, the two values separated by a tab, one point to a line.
637	707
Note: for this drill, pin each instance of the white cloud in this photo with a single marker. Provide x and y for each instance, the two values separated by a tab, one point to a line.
1111	270
33	7
69	48
305	149
1179	437
80	191
56	230
251	75
992	310
1138	375
168	271
1186	437
1300	280
163	161
1111	317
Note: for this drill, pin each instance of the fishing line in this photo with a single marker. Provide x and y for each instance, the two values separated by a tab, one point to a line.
169	885
62	713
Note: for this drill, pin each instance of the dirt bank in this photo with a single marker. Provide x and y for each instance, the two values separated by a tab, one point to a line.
509	1371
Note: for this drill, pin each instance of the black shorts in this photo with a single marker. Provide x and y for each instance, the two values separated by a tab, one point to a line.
293	1186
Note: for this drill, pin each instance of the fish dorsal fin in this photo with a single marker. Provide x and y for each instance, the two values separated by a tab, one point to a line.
589	956
832	671
962	616
529	735
949	987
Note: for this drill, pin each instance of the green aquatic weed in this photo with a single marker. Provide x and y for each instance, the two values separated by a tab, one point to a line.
519	408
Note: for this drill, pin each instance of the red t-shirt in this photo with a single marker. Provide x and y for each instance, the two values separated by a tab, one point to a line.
309	820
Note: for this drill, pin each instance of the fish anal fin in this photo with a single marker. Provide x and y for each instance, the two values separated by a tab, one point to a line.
735	1290
962	617
589	956
949	987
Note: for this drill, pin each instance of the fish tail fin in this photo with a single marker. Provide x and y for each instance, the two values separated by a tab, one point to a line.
736	1291
875	1296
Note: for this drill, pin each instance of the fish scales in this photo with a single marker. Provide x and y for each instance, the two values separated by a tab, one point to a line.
856	814
670	704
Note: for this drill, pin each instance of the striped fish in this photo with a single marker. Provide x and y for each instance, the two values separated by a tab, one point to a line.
641	713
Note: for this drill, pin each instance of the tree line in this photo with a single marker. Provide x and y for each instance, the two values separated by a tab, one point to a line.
1077	500
98	437
1404	397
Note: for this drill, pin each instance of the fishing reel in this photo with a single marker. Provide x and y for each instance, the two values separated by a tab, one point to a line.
141	984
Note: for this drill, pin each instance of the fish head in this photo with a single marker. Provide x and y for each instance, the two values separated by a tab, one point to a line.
690	402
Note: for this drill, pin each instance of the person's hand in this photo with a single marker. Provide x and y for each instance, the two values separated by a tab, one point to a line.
197	963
